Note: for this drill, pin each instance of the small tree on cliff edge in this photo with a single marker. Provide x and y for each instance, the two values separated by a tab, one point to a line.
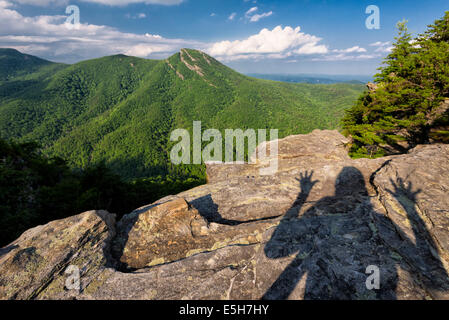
407	106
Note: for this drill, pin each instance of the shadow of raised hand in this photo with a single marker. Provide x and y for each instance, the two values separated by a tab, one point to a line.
305	182
408	200
401	190
306	185
424	248
282	243
296	236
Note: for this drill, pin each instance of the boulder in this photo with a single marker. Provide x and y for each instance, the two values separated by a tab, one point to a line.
33	266
323	226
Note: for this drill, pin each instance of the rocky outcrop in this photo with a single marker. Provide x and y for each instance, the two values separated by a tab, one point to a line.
316	229
372	86
193	67
173	231
33	266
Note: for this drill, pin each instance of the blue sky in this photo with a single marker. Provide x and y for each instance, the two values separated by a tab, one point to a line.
251	36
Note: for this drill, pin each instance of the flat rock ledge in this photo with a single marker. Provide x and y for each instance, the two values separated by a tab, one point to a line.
321	227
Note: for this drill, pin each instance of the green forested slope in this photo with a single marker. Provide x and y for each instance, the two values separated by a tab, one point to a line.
35	189
14	64
121	109
103	123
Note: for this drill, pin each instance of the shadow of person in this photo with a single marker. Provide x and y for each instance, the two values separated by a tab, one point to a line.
209	210
419	247
7	249
335	240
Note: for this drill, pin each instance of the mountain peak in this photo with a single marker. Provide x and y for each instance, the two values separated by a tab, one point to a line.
15	63
13	53
191	62
195	51
9	51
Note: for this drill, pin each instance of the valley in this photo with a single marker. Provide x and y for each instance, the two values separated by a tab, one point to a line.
121	109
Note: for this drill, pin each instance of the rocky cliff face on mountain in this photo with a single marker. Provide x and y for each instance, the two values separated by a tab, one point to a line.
317	229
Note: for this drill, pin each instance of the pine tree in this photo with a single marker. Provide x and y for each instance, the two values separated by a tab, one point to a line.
396	61
408	105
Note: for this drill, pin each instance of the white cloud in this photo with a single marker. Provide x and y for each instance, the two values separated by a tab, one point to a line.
312	48
250	11
232	16
384	49
357	53
257	17
5	4
380	44
279	41
49	37
345	57
42	3
137	16
45	3
351	50
253	17
126	2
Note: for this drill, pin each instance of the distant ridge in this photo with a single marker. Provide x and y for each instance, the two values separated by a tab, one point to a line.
121	110
312	78
14	63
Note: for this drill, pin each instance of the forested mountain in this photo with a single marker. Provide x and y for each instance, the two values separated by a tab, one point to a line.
95	135
14	64
121	109
313	79
35	189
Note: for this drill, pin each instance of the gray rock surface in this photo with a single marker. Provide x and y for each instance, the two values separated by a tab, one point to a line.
310	231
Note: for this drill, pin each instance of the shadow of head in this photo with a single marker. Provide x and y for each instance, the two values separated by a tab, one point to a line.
293	231
208	209
7	249
350	181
